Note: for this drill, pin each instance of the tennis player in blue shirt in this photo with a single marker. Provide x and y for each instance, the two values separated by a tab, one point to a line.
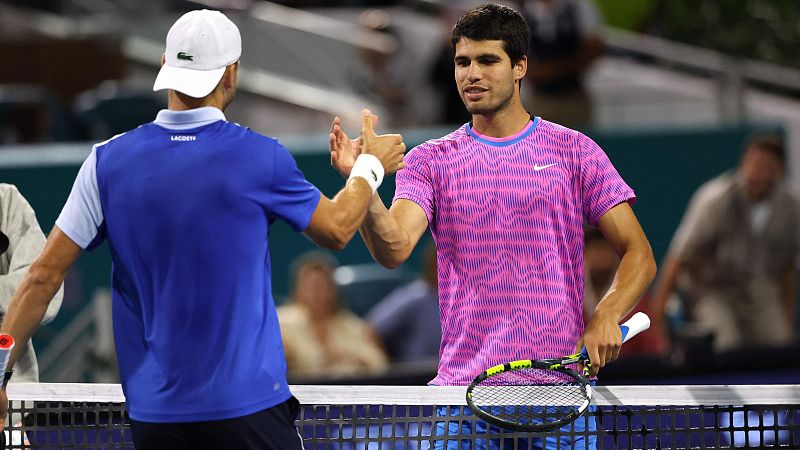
186	203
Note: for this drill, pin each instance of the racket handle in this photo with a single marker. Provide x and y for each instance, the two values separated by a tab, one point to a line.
633	326
6	345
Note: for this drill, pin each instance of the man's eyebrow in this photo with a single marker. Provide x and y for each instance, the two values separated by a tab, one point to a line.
481	56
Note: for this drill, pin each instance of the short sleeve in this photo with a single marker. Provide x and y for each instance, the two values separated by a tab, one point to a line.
414	182
602	186
81	219
291	197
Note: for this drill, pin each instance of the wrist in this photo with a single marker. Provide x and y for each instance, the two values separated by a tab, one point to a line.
369	168
6	378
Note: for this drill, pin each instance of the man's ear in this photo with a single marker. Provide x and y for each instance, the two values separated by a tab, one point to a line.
231	75
521	68
163	58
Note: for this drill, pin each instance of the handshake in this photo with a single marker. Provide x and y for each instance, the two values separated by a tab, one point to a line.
386	149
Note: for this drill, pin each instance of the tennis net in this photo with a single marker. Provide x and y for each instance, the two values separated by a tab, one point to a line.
93	416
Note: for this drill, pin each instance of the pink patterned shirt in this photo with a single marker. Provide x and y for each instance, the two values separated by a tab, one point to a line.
507	218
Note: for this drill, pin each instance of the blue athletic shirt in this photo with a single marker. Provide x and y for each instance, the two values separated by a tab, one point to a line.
186	203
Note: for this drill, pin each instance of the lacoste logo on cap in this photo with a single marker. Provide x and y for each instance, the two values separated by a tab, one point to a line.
183	56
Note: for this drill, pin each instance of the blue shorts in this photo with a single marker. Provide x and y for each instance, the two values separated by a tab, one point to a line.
270	429
471	433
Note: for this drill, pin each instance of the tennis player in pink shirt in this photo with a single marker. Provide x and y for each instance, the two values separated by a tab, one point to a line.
506	196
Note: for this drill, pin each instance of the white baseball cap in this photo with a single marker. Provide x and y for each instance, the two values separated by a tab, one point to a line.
200	45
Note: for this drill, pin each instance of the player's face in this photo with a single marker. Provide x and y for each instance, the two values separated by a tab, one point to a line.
316	290
760	171
484	76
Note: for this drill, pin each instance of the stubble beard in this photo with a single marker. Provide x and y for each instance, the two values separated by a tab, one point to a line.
491	107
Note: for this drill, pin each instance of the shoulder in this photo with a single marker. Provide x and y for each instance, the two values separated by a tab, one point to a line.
291	315
122	137
560	135
788	194
10	200
565	142
445	143
8	190
716	188
246	133
347	320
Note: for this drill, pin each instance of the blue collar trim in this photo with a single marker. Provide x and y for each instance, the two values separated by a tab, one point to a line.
503	143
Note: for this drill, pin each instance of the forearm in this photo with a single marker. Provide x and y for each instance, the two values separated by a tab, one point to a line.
10	282
343	214
389	244
28	307
635	273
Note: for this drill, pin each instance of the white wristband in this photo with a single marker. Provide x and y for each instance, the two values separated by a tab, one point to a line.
368	167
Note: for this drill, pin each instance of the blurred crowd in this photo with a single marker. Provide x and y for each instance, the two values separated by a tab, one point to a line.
412	83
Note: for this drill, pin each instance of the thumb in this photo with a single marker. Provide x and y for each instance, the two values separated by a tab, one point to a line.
367	123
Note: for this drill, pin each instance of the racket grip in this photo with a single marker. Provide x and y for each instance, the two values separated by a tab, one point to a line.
633	326
6	345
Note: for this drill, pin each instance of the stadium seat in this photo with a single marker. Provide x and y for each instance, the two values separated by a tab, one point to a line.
32	113
112	109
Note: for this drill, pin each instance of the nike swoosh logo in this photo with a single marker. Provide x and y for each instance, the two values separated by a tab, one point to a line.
537	167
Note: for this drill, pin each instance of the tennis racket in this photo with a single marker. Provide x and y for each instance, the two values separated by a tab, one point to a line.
542	394
6	345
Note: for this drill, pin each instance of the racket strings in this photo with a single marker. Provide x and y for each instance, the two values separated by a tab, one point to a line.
531	396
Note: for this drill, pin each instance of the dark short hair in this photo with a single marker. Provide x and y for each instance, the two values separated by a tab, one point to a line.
312	259
771	143
492	22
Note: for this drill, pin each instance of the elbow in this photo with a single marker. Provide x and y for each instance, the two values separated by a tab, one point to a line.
338	242
391	259
43	278
649	266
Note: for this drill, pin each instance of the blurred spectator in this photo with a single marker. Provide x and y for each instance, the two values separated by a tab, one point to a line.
451	109
385	80
566	38
407	320
734	254
21	241
321	337
397	59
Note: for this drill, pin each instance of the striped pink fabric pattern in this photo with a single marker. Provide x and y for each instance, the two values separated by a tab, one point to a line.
507	218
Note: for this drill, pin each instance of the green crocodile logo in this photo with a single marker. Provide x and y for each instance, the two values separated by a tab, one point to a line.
183	56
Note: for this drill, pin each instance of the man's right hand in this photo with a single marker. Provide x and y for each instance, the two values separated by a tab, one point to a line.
388	148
